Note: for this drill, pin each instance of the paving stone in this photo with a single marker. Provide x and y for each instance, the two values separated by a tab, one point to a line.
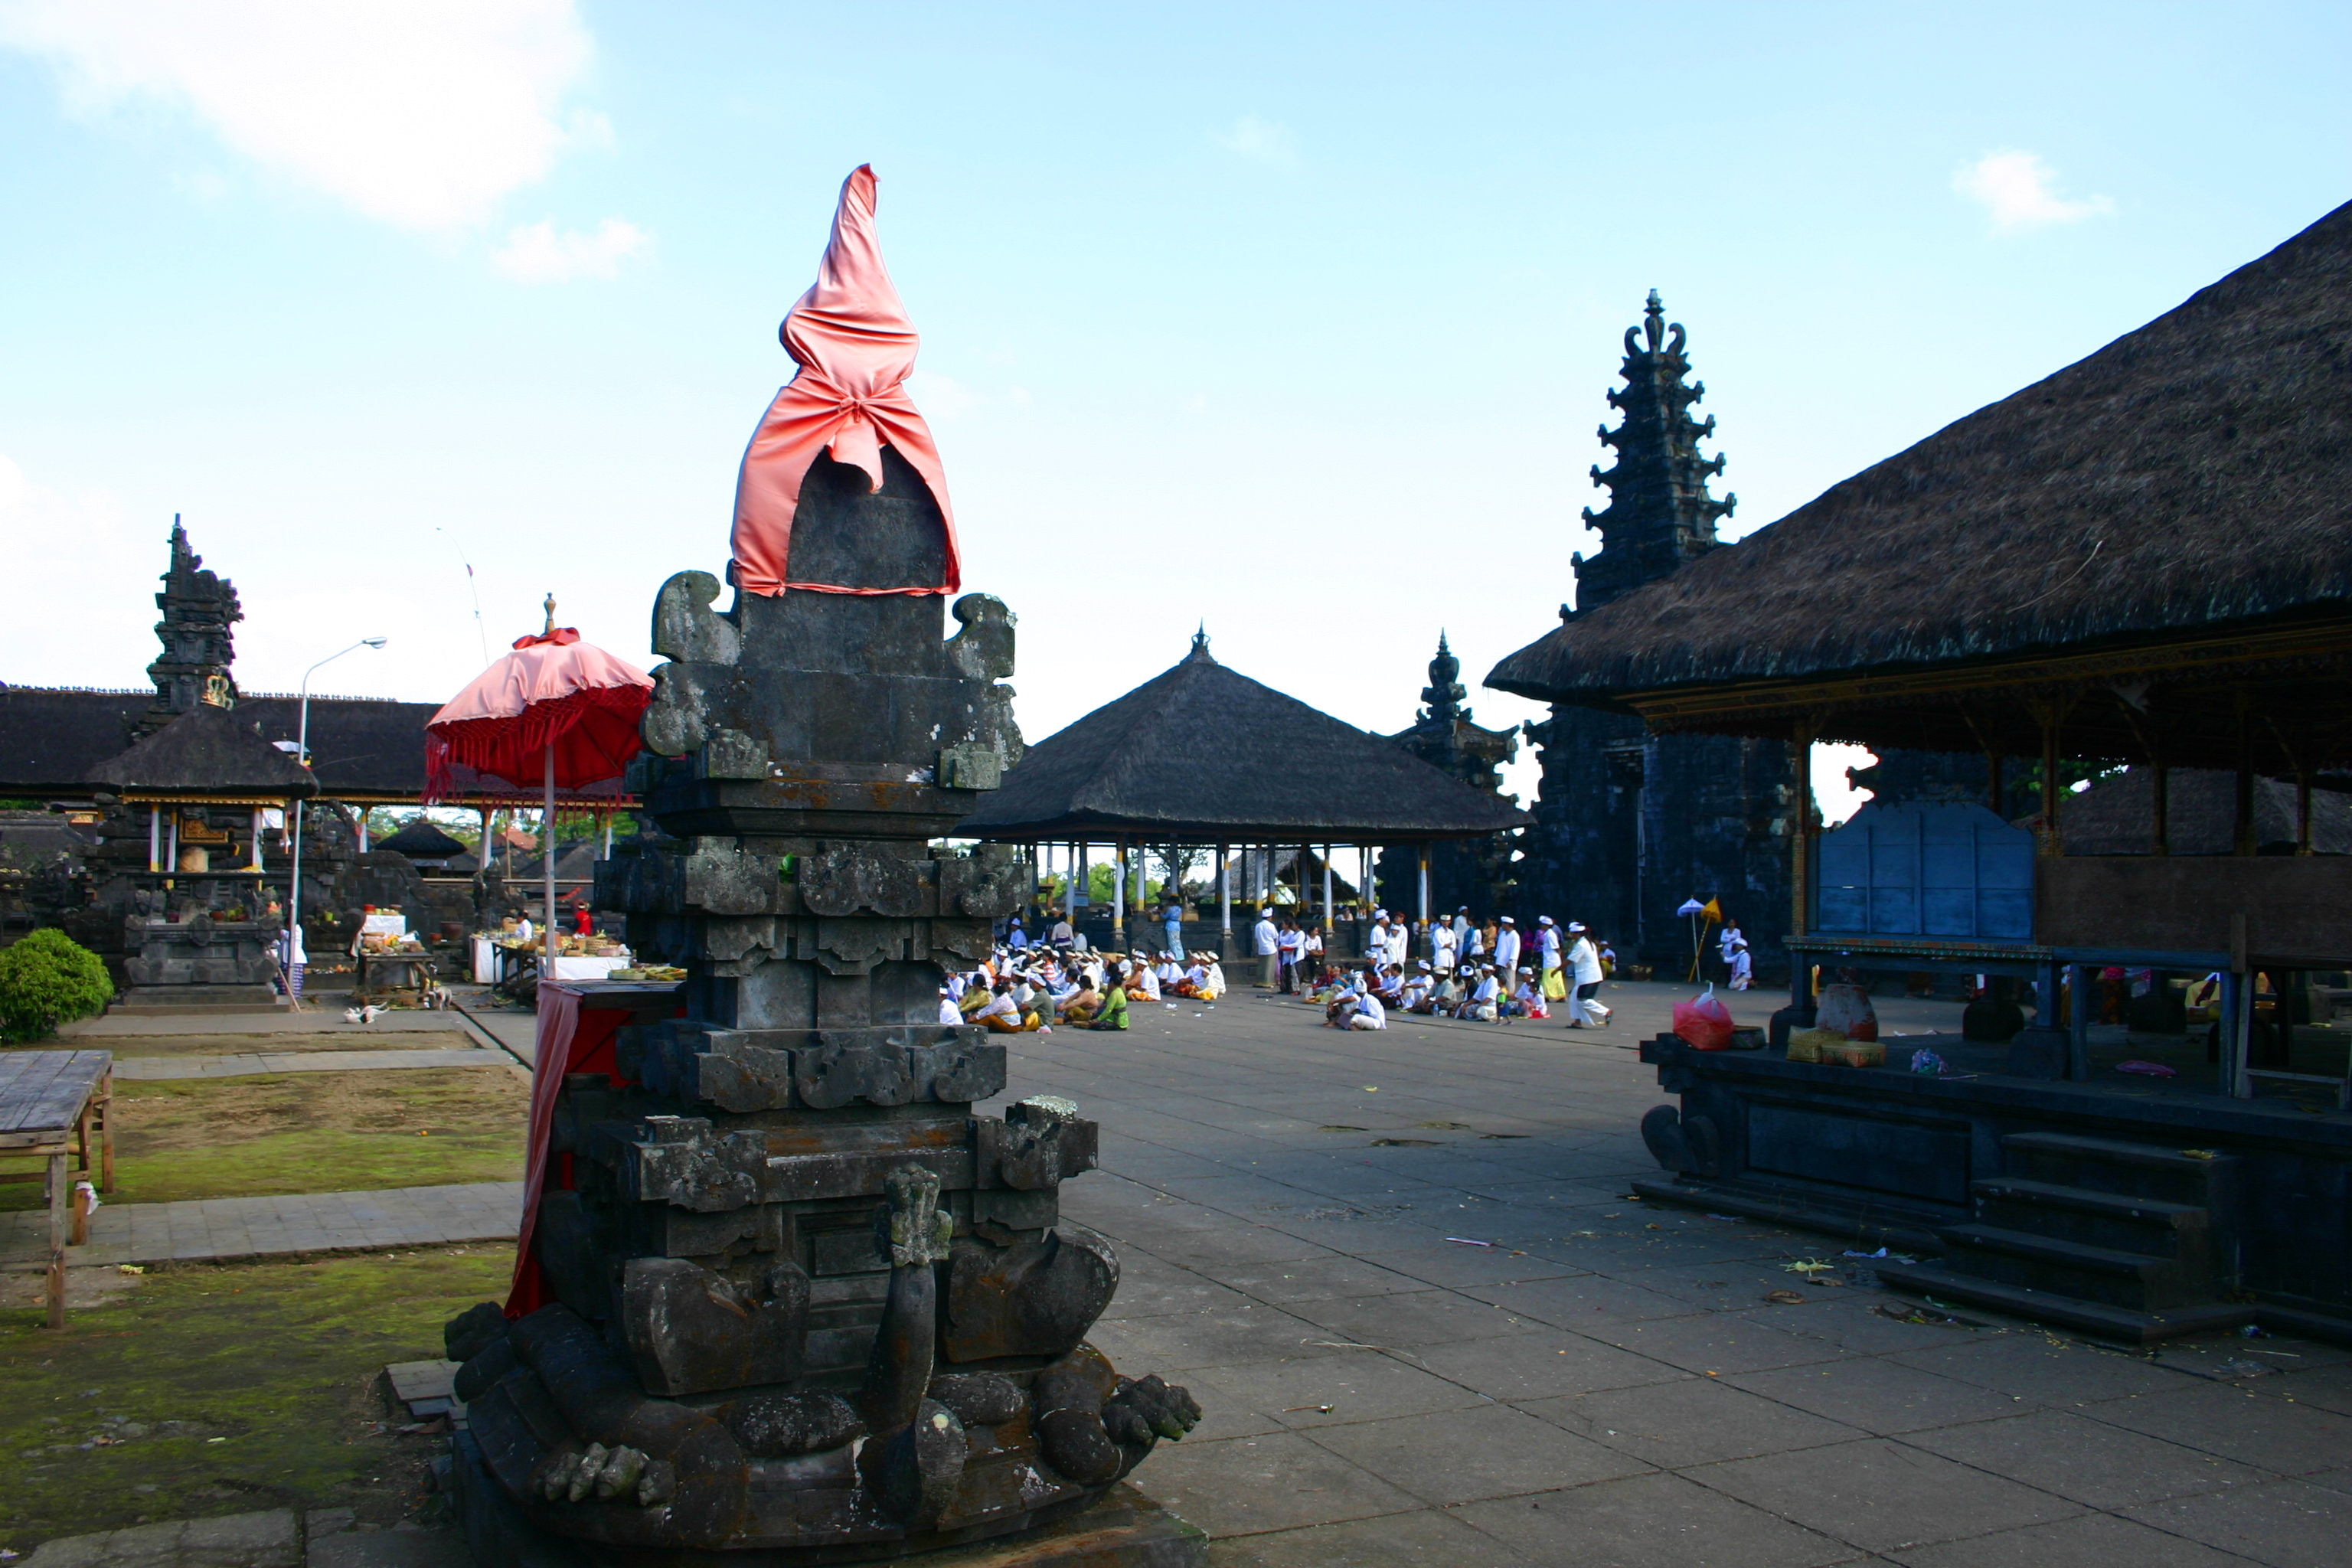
264	1539
1278	1481
1720	1342
1362	1386
1878	1396
1698	1421
1491	1450
2086	1540
2089	1461
1882	1496
2236	1423
2287	1524
1656	1520
1540	1365
1576	1300
1429	1538
1413	1318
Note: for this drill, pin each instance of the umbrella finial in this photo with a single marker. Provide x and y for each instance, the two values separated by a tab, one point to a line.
549	630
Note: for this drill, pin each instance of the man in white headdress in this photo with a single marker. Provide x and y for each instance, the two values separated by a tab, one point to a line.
1584	975
1507	947
1443	943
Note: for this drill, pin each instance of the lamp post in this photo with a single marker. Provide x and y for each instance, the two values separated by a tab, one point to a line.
303	756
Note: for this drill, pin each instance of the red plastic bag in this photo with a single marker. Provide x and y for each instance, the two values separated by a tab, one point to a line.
1704	1023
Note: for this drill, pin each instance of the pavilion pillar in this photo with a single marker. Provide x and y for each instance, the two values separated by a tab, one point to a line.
1422	869
1224	893
1078	881
253	860
2243	840
606	853
365	812
1119	895
154	838
1328	912
1801	834
2047	840
172	854
2160	809
2303	811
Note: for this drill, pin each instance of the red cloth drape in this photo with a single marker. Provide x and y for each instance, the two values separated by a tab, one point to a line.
855	345
570	1039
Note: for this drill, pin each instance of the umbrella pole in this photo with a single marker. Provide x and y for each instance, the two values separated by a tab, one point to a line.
547	862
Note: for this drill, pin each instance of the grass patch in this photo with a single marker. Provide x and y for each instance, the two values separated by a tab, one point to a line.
279	1361
309	1132
356	1039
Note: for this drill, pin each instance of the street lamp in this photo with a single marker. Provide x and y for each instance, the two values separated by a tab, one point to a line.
303	756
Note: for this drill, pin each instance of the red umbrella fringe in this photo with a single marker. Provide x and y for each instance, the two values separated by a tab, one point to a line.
593	731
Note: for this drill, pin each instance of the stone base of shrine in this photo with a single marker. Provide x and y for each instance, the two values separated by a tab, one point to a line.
168	1001
1124	1530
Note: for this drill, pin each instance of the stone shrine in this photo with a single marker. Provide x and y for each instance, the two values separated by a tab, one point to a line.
1473	873
786	1299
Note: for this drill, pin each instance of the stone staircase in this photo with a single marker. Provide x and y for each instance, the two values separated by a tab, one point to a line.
2135	1241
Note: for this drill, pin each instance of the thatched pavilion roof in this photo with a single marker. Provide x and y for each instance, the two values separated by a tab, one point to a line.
2195	472
420	840
1203	754
206	754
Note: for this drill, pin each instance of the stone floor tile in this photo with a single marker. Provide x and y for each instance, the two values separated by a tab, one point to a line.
1722	1343
2092	1462
2048	1369
1541	1365
2237	1424
1428	1539
1490	1451
1177	1342
2286	1524
390	1548
1581	1301
2086	1540
1882	1496
1655	1521
1362	1386
1279	1481
1440	1262
1698	1421
263	1539
1414	1319
1318	1279
1878	1396
2328	1388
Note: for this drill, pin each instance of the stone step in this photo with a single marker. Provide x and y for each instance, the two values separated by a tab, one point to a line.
2128	1324
2101	1274
2121	1221
2112	1166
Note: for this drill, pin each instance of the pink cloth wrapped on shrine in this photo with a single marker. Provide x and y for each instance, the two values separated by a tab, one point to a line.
553	689
855	345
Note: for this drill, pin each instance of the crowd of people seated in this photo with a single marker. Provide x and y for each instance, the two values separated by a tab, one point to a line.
1024	987
1472	972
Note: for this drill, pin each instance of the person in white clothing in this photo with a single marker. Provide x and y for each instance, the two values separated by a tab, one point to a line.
1266	938
1548	941
1507	947
1484	997
1400	941
1584	975
1368	1014
1442	944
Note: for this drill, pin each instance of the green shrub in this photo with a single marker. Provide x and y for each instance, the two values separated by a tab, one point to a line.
47	978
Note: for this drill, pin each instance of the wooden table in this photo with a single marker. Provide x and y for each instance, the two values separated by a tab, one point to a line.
50	1102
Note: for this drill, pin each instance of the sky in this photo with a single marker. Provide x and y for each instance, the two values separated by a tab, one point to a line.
1294	320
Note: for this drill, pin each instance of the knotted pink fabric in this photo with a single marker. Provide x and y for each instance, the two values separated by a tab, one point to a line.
552	690
855	345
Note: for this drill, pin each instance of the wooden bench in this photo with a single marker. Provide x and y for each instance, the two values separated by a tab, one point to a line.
50	1103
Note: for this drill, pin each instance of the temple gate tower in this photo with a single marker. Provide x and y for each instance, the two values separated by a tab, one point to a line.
199	607
1472	872
1628	825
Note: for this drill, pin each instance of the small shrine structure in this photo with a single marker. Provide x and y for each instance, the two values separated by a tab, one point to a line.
1473	873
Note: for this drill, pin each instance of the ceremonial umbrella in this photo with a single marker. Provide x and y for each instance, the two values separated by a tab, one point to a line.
556	710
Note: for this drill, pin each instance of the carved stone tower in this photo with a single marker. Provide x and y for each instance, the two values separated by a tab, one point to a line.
1628	825
1472	872
199	607
1659	514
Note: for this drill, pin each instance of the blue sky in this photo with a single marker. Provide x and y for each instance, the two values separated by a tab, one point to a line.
1294	318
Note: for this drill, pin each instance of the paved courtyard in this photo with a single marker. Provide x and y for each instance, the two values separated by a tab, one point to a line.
1401	1274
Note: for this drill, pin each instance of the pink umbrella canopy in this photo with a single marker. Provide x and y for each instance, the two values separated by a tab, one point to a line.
855	345
556	711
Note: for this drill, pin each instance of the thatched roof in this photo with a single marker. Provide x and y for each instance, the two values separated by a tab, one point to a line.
2197	470
53	740
422	840
1203	754
204	752
2115	815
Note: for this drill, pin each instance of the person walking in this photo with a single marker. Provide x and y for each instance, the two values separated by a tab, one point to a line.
1288	945
1584	974
1507	947
1266	938
1171	920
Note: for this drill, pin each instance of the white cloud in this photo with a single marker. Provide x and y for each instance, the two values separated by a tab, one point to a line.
1263	140
2020	193
421	113
539	253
